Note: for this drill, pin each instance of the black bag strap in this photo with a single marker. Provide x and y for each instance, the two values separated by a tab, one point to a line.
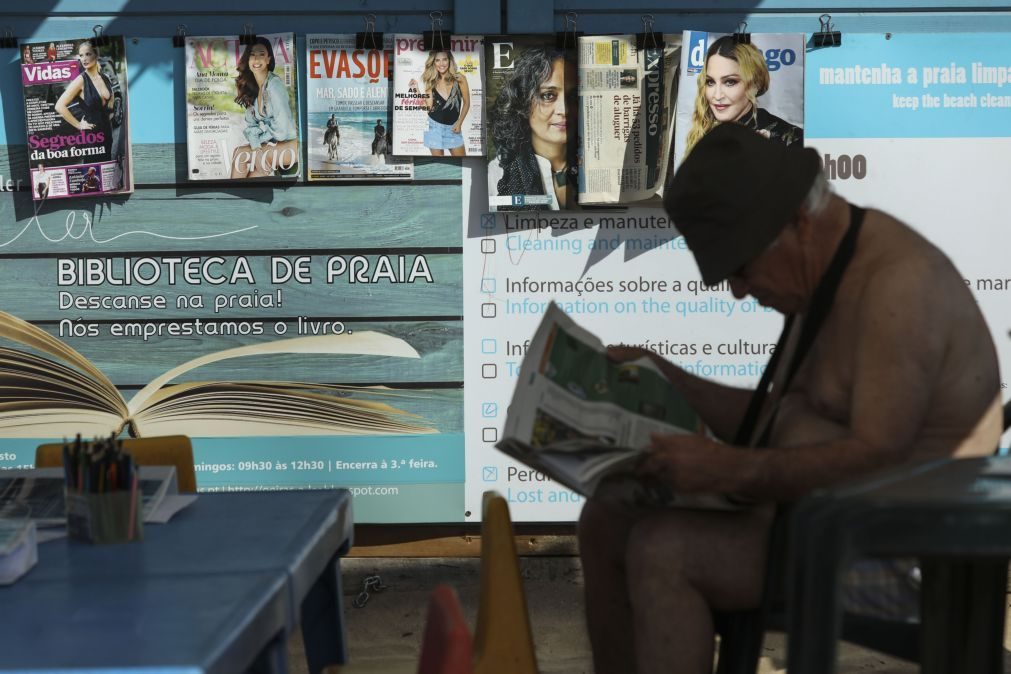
818	310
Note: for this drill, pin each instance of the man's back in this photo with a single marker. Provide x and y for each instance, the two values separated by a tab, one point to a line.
902	308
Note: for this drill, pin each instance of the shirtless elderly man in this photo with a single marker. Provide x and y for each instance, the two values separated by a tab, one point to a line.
901	369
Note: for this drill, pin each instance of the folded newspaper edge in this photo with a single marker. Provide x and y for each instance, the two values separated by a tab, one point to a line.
601	461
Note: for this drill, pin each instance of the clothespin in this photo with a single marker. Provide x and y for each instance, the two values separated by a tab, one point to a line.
568	38
247	36
179	39
369	39
647	39
742	36
100	39
435	39
826	37
8	41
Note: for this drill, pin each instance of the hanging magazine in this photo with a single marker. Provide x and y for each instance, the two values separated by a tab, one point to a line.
531	123
348	111
242	108
438	96
76	112
758	84
626	102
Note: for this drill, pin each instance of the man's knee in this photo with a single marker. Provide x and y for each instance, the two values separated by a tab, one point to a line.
602	532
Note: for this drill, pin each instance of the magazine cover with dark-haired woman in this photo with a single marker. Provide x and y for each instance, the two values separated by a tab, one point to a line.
242	108
77	117
531	120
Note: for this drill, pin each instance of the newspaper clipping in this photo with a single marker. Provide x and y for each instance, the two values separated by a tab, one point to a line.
242	107
626	101
348	111
77	117
585	420
532	138
438	96
760	85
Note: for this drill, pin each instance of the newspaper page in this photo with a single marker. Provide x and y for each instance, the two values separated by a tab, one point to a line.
77	116
532	115
438	97
760	85
348	111
242	108
626	104
580	417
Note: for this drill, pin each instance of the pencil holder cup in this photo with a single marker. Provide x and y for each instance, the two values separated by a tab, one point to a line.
111	517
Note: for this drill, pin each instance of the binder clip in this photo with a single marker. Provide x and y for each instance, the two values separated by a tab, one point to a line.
369	39
248	36
100	39
568	38
742	36
647	39
435	39
8	41
826	37
179	39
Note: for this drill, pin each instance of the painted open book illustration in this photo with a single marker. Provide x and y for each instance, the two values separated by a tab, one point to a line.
57	392
584	420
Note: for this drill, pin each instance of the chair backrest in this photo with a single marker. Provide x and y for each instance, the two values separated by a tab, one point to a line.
169	450
446	647
503	641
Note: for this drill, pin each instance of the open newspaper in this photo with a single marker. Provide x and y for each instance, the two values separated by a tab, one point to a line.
585	421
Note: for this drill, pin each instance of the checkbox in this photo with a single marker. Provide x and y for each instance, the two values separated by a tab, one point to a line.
488	221
489	474
489	410
487	246
489	371
488	310
489	346
489	434
487	285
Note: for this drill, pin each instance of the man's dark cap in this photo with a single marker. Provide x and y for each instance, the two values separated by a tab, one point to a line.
733	195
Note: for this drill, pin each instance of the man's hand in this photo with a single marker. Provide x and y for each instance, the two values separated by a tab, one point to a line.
690	463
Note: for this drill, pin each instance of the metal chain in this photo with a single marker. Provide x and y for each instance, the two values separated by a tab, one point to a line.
374	583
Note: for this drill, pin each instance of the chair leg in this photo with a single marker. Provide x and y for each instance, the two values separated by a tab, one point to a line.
741	643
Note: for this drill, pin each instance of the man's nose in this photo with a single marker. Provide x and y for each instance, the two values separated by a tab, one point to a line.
738	287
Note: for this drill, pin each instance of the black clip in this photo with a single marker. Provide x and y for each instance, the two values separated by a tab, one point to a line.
435	39
742	36
569	38
8	41
248	36
179	39
826	37
648	39
100	39
369	39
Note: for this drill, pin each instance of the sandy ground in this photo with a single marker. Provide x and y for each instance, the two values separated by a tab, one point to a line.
385	635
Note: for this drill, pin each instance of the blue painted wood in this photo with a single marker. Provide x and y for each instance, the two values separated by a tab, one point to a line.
246	8
296	220
439	343
529	16
893	22
31	292
483	17
710	6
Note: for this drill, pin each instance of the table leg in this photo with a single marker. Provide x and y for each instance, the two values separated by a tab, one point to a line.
323	628
273	659
816	554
